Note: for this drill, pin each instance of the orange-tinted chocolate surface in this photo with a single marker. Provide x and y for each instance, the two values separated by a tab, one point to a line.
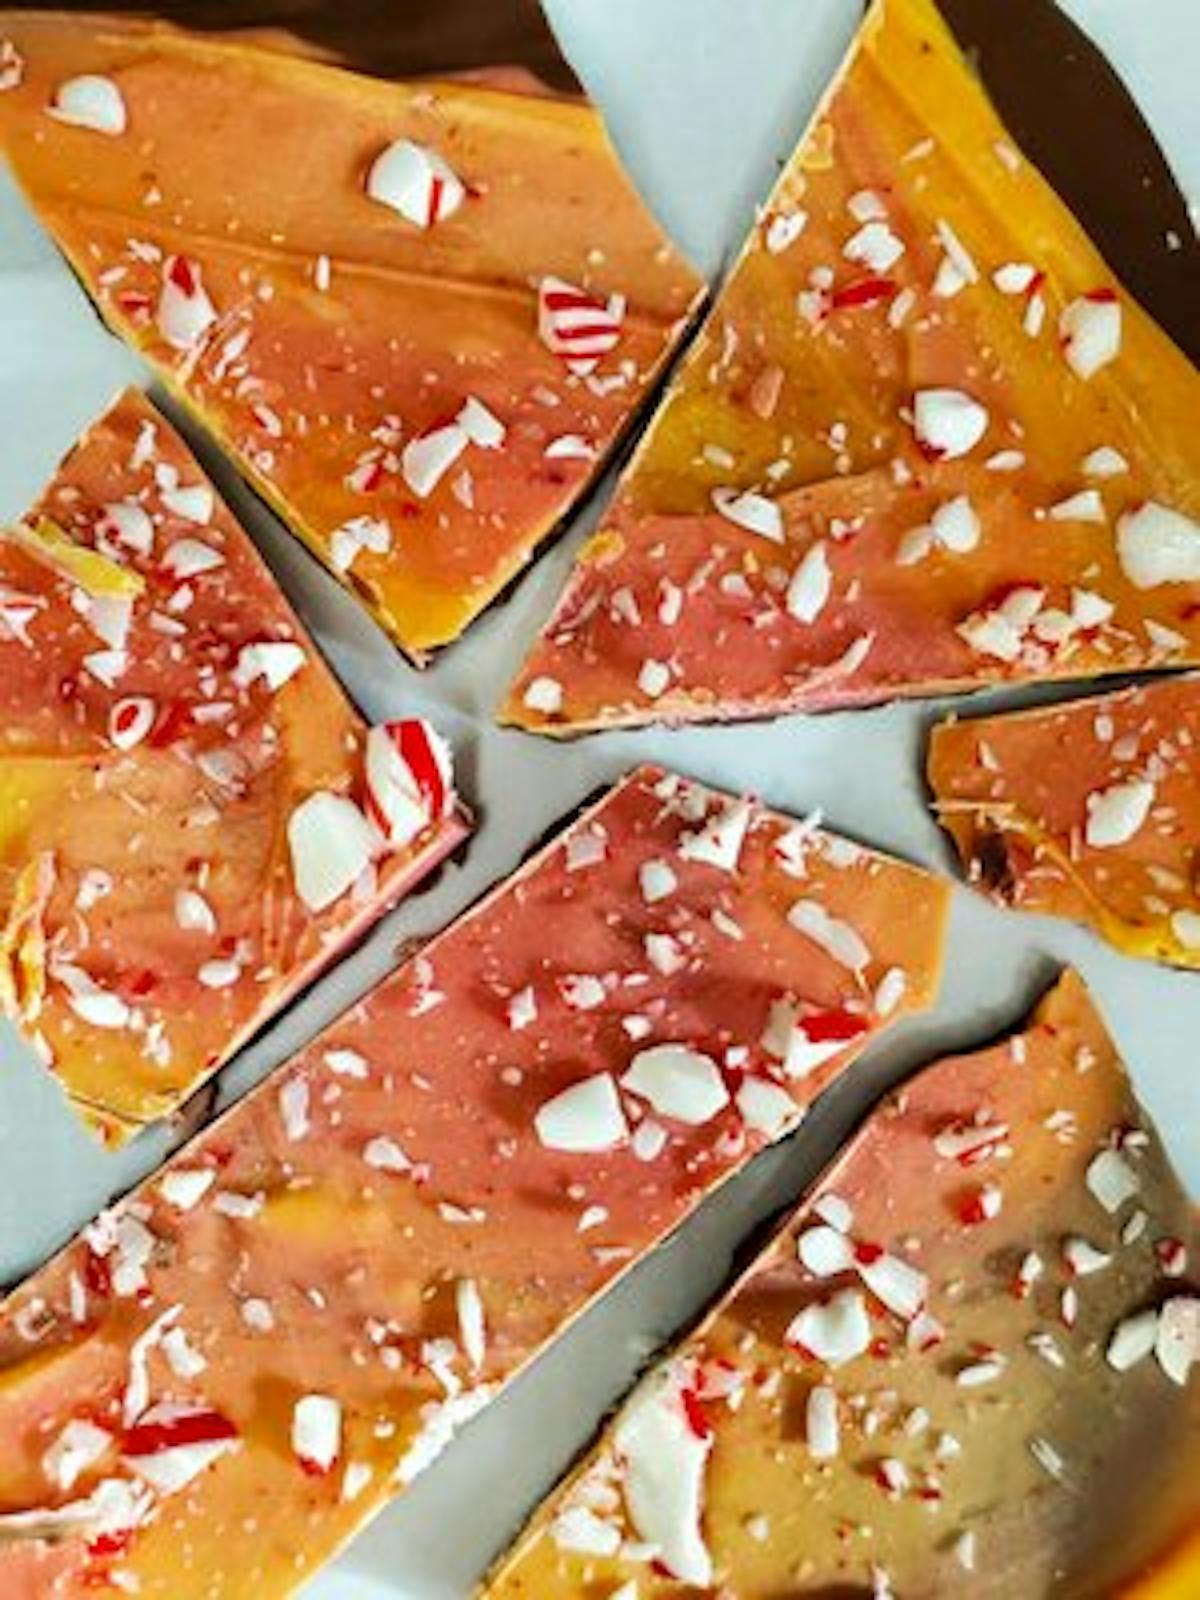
418	314
925	440
965	1366
230	1371
174	756
1088	810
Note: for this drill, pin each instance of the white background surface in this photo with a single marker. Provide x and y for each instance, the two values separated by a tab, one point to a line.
705	98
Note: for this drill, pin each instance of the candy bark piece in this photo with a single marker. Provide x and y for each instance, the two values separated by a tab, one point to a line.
167	729
1088	810
977	1441
924	441
332	331
395	1226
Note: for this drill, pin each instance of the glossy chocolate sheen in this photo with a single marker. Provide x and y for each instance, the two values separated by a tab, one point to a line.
409	39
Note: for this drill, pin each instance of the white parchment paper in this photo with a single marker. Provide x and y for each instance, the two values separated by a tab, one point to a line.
705	98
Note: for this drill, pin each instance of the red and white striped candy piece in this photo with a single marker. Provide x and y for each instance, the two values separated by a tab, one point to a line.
417	182
170	1444
410	779
663	1442
185	313
577	325
127	524
130	720
91	102
12	66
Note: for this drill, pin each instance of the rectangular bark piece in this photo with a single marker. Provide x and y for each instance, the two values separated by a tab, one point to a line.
284	1325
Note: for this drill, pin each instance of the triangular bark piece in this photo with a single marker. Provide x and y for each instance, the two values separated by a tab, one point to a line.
418	315
181	841
962	1364
372	1243
1088	810
924	441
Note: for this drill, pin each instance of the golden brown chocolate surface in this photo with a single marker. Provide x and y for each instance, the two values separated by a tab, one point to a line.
1088	810
284	1325
418	314
163	721
961	1368
925	440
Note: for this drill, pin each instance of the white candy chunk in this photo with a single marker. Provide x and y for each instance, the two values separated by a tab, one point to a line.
874	246
1157	545
1115	814
719	842
184	1360
480	425
128	524
584	1118
317	1432
825	1251
91	1004
440	1421
331	845
766	1108
1082	1258
783	230
427	458
351	538
294	1099
836	937
471	1326
900	1287
1185	925
657	881
12	66
188	558
193	913
579	1529
77	1448
751	511
115	1506
654	678
834	1331
890	991
810	586
947	423
838	1213
1111	1180
664	1464
90	101
955	525
544	695
410	779
570	447
1178	1344
678	1082
185	313
1132	1340
1085	506
275	661
1090	331
1014	277
190	503
822	1433
185	1187
417	182
1104	462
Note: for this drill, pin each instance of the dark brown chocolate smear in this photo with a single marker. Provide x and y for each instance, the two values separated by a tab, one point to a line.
386	38
1078	123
